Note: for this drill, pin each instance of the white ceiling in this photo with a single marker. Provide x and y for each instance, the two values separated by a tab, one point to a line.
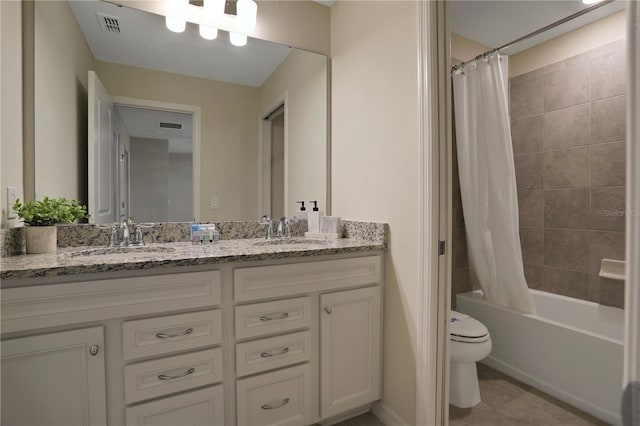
494	23
144	41
144	123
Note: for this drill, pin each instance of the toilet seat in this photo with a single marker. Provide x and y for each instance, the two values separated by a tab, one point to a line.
464	328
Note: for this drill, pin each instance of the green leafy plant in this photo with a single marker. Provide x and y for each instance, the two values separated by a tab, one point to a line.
50	211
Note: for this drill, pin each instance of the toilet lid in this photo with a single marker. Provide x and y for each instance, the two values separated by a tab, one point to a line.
462	325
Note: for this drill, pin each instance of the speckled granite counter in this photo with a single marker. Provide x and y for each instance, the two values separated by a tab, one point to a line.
83	260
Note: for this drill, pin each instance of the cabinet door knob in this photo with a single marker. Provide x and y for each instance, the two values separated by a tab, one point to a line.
94	349
327	309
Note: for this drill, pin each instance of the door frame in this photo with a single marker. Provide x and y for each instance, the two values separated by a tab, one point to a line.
196	113
432	370
264	157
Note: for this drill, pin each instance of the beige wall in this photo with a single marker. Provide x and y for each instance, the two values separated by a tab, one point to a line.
464	49
229	145
11	106
599	33
375	162
302	78
61	107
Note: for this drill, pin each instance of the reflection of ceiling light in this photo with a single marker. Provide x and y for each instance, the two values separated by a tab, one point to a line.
591	1
178	12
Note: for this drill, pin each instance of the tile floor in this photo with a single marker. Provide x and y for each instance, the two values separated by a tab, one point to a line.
505	402
508	402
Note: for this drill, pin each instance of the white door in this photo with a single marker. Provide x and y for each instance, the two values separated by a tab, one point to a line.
102	154
54	379
350	347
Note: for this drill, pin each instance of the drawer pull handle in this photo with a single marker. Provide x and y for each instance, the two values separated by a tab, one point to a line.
167	336
273	407
177	376
275	317
267	354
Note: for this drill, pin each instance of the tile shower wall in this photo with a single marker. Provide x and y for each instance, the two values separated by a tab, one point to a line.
568	132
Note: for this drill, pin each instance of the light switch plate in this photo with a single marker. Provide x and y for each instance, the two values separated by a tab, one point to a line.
215	203
11	199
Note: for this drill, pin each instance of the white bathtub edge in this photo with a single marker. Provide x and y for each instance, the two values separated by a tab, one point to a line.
608	416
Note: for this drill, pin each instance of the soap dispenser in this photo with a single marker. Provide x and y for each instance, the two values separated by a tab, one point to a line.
302	213
314	219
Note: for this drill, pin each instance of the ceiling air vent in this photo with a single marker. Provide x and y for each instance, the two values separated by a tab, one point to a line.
175	126
109	23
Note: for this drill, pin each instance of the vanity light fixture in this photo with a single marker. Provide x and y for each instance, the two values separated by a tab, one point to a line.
213	10
178	12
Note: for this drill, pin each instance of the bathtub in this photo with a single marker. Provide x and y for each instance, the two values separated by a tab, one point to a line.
572	349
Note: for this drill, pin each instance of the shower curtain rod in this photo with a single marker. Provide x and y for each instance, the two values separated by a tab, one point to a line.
536	32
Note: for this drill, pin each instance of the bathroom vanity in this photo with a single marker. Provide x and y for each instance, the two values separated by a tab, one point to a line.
237	333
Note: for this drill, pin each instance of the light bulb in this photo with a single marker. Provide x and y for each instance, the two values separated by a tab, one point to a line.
176	14
208	33
247	13
238	39
591	1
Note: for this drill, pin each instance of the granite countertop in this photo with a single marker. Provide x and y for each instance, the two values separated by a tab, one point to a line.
82	260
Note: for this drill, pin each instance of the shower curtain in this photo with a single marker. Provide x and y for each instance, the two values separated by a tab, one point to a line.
488	182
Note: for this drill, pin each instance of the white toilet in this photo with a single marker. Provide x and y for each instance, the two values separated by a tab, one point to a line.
470	342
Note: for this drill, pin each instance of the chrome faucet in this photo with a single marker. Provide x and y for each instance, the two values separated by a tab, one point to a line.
282	229
266	221
124	225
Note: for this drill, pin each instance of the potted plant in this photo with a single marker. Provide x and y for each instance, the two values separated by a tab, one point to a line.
41	217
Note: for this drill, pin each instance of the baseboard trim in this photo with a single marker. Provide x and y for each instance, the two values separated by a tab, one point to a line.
387	415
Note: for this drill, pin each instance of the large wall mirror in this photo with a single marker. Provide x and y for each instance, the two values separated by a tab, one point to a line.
197	128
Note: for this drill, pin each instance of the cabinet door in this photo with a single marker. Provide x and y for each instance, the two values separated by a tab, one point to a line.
199	408
350	349
53	379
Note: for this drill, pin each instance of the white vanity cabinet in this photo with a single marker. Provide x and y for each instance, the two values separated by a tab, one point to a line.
285	342
54	379
321	332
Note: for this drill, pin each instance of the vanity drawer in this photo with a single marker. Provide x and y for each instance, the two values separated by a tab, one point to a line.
279	398
202	408
273	352
272	317
151	379
264	282
162	335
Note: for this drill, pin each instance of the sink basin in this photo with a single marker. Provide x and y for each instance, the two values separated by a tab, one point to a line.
120	251
290	241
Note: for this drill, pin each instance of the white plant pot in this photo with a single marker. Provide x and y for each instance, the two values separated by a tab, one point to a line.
41	239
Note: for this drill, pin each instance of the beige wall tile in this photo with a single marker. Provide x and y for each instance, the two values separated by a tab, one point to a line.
566	88
531	240
533	275
608	119
528	171
606	291
527	98
567	249
566	168
608	164
605	245
566	208
608	76
530	208
526	134
567	127
608	209
567	283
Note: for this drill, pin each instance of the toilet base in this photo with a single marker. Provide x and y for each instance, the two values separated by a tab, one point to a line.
464	391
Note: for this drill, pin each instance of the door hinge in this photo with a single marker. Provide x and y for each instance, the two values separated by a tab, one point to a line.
442	246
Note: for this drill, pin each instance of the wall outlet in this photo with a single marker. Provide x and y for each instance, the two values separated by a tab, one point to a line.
215	203
11	199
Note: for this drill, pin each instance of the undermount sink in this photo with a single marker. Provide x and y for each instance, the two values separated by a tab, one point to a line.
290	241
115	251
